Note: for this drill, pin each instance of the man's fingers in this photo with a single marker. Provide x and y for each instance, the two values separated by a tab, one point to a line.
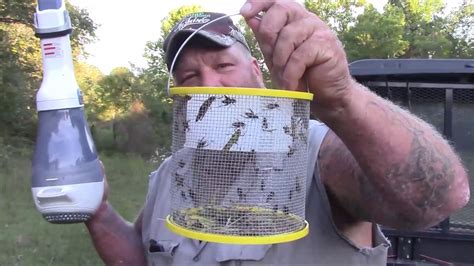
253	23
106	184
266	30
252	8
292	74
265	48
102	168
299	49
278	13
290	37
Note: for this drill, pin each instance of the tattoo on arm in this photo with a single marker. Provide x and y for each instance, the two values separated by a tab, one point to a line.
390	188
427	173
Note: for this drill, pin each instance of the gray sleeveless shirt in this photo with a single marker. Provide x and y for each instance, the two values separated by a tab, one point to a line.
324	245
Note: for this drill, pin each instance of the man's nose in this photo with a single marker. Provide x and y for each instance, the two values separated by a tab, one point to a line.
210	78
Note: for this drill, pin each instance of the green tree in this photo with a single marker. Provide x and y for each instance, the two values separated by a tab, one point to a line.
16	104
376	35
411	29
88	78
425	28
115	93
256	52
339	14
20	67
17	12
461	30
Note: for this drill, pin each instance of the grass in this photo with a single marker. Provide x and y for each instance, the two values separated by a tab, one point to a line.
27	239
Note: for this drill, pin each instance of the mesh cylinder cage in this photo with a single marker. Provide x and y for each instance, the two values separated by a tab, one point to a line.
239	164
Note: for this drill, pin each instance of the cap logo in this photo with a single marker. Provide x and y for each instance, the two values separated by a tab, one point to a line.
236	34
221	37
192	20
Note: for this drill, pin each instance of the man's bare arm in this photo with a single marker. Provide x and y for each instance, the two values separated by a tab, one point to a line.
390	167
117	241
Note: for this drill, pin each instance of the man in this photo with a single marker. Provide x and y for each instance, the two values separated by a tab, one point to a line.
377	164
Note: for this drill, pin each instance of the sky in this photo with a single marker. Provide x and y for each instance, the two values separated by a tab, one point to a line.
124	28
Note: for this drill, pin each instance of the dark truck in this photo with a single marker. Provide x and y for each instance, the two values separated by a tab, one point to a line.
440	91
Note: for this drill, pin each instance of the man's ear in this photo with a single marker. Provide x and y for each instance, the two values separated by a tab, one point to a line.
257	70
256	67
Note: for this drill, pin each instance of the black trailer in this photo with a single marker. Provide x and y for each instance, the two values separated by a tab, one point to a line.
440	91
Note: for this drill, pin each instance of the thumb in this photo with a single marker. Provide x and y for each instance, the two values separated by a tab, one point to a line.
248	14
246	10
253	23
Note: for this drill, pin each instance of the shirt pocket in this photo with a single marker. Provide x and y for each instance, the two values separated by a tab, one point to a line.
224	252
162	246
166	248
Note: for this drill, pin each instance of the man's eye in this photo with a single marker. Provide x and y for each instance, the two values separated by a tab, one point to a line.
187	77
224	65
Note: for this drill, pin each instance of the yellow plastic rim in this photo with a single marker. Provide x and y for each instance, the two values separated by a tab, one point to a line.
242	91
243	240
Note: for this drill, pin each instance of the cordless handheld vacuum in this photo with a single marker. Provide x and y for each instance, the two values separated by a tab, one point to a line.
67	178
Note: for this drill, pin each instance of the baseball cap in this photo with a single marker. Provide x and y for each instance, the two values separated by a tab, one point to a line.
221	33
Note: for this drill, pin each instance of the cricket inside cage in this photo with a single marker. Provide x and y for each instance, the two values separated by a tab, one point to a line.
239	164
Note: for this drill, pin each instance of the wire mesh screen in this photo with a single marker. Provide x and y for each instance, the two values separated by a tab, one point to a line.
428	101
463	139
239	164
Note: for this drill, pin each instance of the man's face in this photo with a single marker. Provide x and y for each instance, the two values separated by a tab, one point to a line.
228	67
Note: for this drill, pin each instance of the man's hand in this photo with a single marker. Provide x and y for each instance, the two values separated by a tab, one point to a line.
106	184
117	241
300	50
103	205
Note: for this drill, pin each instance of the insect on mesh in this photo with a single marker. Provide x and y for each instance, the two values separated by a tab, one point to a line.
239	164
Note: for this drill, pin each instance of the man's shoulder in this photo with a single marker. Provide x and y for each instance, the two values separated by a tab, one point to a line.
161	169
316	132
316	123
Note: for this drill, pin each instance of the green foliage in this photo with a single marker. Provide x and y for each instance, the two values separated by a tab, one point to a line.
376	35
424	27
459	25
17	11
339	14
83	29
116	93
19	69
256	52
160	113
176	15
405	28
88	78
103	136
20	65
431	33
16	85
